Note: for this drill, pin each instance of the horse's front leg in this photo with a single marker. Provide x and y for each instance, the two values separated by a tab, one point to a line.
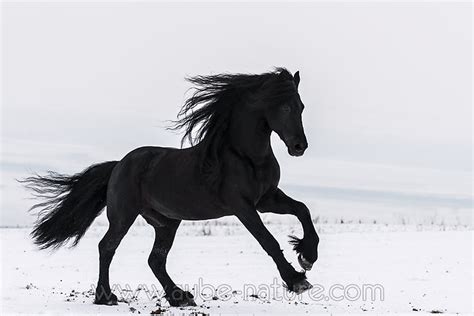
295	281
307	248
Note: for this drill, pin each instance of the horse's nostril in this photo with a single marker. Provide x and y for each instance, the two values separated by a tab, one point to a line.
299	147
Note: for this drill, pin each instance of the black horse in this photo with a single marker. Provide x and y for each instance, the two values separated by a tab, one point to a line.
230	169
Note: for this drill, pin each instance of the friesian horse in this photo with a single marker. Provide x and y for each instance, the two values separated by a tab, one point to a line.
230	169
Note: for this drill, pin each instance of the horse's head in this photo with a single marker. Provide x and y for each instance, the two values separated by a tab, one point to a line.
284	119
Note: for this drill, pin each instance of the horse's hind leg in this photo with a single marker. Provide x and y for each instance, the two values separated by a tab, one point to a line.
120	220
165	231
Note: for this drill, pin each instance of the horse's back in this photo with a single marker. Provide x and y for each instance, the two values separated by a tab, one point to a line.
124	182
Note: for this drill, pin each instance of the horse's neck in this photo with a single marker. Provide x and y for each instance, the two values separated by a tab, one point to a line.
250	136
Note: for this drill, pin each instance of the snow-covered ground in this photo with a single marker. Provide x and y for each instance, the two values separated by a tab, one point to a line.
404	268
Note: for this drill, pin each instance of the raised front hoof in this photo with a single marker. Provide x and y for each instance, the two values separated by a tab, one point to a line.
305	264
300	286
307	251
106	299
181	299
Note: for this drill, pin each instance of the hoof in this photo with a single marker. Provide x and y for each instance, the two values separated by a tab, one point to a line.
301	286
106	299
181	299
305	264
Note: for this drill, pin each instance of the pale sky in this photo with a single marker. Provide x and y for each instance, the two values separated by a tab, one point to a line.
383	83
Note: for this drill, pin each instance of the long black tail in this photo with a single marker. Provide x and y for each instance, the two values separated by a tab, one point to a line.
71	203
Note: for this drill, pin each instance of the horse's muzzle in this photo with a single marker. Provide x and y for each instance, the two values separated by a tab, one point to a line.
297	149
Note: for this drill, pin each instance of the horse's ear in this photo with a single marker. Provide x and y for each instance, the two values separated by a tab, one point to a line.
296	77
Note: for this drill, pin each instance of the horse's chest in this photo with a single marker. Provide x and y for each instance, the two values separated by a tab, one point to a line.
267	177
260	179
248	180
263	177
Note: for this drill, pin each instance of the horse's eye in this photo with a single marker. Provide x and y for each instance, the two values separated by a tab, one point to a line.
286	108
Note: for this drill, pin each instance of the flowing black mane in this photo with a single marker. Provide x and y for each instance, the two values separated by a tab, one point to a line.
207	113
208	109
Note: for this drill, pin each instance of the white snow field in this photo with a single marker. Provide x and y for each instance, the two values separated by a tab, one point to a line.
380	268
